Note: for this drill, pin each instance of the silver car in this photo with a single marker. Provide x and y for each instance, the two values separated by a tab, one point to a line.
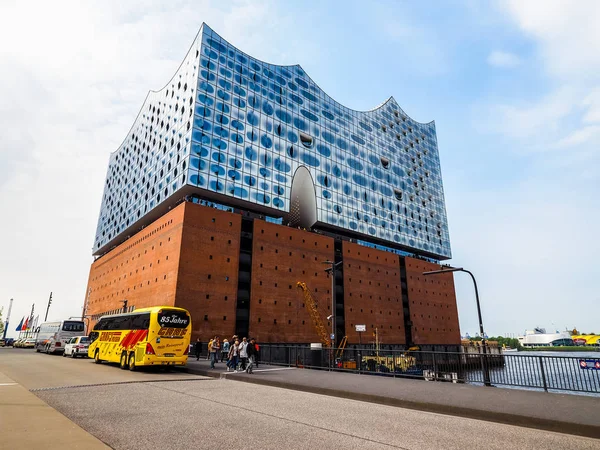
77	346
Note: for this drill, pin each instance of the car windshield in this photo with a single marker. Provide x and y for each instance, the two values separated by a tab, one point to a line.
84	340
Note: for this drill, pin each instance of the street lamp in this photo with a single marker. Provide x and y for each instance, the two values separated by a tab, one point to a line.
331	271
486	373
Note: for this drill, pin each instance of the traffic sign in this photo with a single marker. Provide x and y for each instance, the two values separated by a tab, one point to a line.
360	328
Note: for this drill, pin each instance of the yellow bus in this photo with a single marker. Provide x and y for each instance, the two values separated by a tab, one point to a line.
157	336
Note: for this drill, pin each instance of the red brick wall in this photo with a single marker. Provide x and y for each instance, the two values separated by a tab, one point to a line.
208	270
142	270
432	301
372	294
281	257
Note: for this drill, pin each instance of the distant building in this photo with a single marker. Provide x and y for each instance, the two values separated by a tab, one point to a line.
239	178
539	338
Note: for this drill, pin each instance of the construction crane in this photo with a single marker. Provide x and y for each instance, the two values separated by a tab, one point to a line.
311	306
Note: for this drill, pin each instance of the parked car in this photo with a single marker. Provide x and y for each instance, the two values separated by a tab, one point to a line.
9	342
18	343
77	346
28	343
2	342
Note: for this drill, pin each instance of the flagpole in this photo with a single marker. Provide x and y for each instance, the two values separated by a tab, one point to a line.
7	318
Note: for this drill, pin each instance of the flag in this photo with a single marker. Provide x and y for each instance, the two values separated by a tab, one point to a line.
24	326
20	325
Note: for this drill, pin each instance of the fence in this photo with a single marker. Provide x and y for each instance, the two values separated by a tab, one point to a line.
550	373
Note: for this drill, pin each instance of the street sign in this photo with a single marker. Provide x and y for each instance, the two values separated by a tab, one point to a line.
589	364
360	328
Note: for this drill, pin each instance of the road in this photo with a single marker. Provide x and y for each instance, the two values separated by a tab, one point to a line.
140	410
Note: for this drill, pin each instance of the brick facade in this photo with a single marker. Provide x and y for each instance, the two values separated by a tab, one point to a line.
190	258
372	294
281	257
432	302
142	270
207	280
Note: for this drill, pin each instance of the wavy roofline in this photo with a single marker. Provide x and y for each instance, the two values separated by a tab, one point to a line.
199	33
376	108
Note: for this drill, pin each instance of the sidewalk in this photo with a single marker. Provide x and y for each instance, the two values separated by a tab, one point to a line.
563	413
28	422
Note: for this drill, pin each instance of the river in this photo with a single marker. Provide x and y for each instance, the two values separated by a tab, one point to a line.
560	371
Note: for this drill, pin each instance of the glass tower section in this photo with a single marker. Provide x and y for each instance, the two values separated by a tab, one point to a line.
236	130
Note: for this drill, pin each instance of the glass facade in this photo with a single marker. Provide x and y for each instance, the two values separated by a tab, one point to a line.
231	126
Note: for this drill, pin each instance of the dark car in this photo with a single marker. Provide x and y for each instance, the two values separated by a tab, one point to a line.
9	342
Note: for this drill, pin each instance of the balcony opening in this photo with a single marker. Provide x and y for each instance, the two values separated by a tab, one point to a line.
306	139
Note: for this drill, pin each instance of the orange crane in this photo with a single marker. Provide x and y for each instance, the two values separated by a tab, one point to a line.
311	306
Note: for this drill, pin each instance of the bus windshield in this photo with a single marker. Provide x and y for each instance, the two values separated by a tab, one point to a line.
69	325
173	318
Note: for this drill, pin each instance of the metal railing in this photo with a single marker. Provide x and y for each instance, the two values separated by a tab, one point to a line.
550	373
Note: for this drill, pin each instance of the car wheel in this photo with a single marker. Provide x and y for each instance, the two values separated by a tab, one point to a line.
123	363
73	354
132	361
97	359
65	354
37	349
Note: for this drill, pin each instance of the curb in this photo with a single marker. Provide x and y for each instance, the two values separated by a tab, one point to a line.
478	414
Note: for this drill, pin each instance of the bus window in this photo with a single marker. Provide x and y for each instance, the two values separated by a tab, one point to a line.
72	326
120	323
94	335
140	322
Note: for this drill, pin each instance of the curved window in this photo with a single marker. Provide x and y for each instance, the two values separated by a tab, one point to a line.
306	140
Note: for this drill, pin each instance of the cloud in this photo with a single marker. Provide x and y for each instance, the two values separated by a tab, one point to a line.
73	78
580	136
567	32
503	60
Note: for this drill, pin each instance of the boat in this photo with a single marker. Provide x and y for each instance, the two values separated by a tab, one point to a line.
506	349
539	338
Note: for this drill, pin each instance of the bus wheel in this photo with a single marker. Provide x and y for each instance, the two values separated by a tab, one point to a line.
132	361
97	359
123	363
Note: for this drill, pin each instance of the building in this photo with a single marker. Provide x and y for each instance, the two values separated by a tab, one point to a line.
539	338
239	178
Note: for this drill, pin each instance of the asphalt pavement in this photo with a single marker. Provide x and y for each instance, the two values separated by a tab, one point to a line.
141	410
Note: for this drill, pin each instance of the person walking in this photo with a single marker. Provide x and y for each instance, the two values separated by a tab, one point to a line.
257	357
210	343
251	351
244	353
225	349
198	349
234	355
216	346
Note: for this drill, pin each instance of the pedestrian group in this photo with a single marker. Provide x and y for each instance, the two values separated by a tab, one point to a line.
241	356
